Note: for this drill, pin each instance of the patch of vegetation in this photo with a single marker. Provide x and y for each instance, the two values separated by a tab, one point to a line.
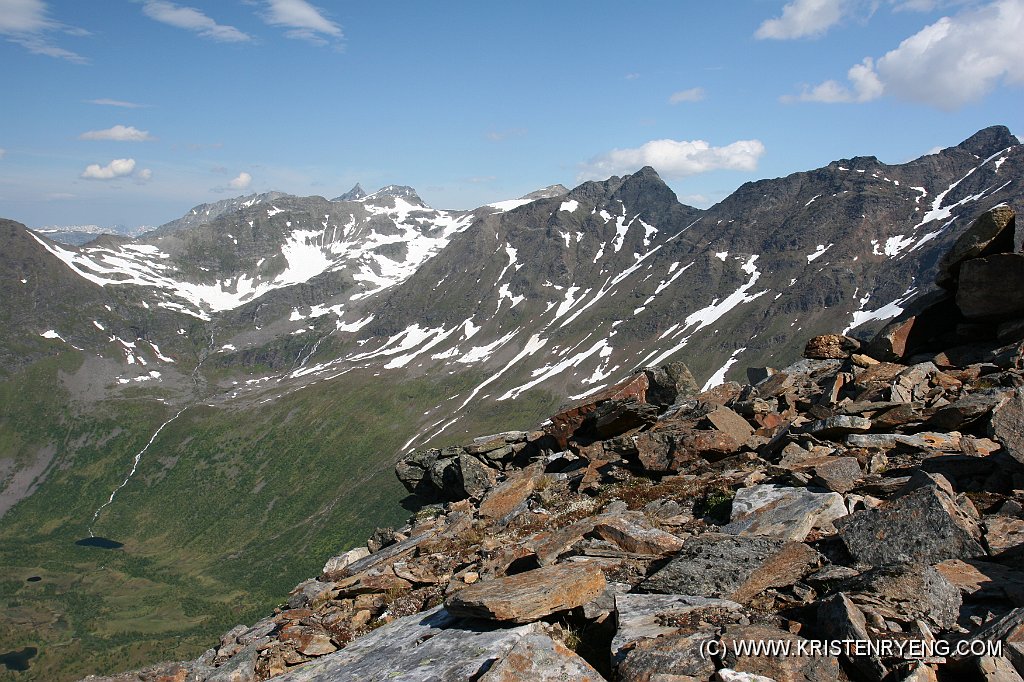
229	509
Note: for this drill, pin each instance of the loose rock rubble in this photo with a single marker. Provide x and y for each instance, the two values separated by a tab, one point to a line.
873	491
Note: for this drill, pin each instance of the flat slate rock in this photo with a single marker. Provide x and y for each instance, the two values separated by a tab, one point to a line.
433	646
783	512
735	567
529	596
638	536
793	667
923	526
538	658
647	616
675	656
906	593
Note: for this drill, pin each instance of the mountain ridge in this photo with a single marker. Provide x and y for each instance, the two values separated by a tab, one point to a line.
305	337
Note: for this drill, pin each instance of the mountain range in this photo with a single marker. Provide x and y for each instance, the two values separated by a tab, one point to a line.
225	396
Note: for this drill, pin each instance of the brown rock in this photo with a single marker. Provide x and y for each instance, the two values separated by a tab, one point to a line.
676	450
791	668
862	360
839	474
366	583
638	537
730	423
505	498
841	619
673	656
830	347
1003	533
721	394
538	658
996	669
890	343
564	424
880	375
992	287
992	232
308	641
547	546
984	580
526	597
906	593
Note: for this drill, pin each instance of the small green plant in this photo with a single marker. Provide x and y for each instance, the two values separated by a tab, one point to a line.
715	505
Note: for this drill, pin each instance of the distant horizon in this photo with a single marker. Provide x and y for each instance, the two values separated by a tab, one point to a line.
155	106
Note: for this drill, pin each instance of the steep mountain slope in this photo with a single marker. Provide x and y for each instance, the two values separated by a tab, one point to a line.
574	293
230	360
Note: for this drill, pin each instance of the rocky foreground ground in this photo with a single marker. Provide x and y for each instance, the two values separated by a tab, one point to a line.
863	507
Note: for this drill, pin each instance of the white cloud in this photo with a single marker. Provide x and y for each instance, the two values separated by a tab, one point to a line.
3	153
26	23
499	135
864	87
675	158
801	19
116	103
304	21
947	64
118	168
192	19
143	175
24	16
241	182
691	95
119	133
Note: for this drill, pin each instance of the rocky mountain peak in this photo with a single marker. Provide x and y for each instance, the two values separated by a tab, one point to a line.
394	191
989	141
548	192
644	186
354	194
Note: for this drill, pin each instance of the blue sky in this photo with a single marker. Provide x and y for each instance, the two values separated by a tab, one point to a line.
131	112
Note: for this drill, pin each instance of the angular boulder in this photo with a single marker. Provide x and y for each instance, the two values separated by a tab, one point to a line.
1007	425
782	512
433	645
526	597
992	232
831	347
992	287
732	567
538	658
925	526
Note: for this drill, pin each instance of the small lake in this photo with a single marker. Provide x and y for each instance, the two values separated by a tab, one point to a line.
18	660
102	543
33	578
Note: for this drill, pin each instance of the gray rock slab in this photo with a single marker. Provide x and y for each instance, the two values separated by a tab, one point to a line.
735	567
782	512
642	616
924	526
839	425
906	593
538	658
1007	425
432	646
